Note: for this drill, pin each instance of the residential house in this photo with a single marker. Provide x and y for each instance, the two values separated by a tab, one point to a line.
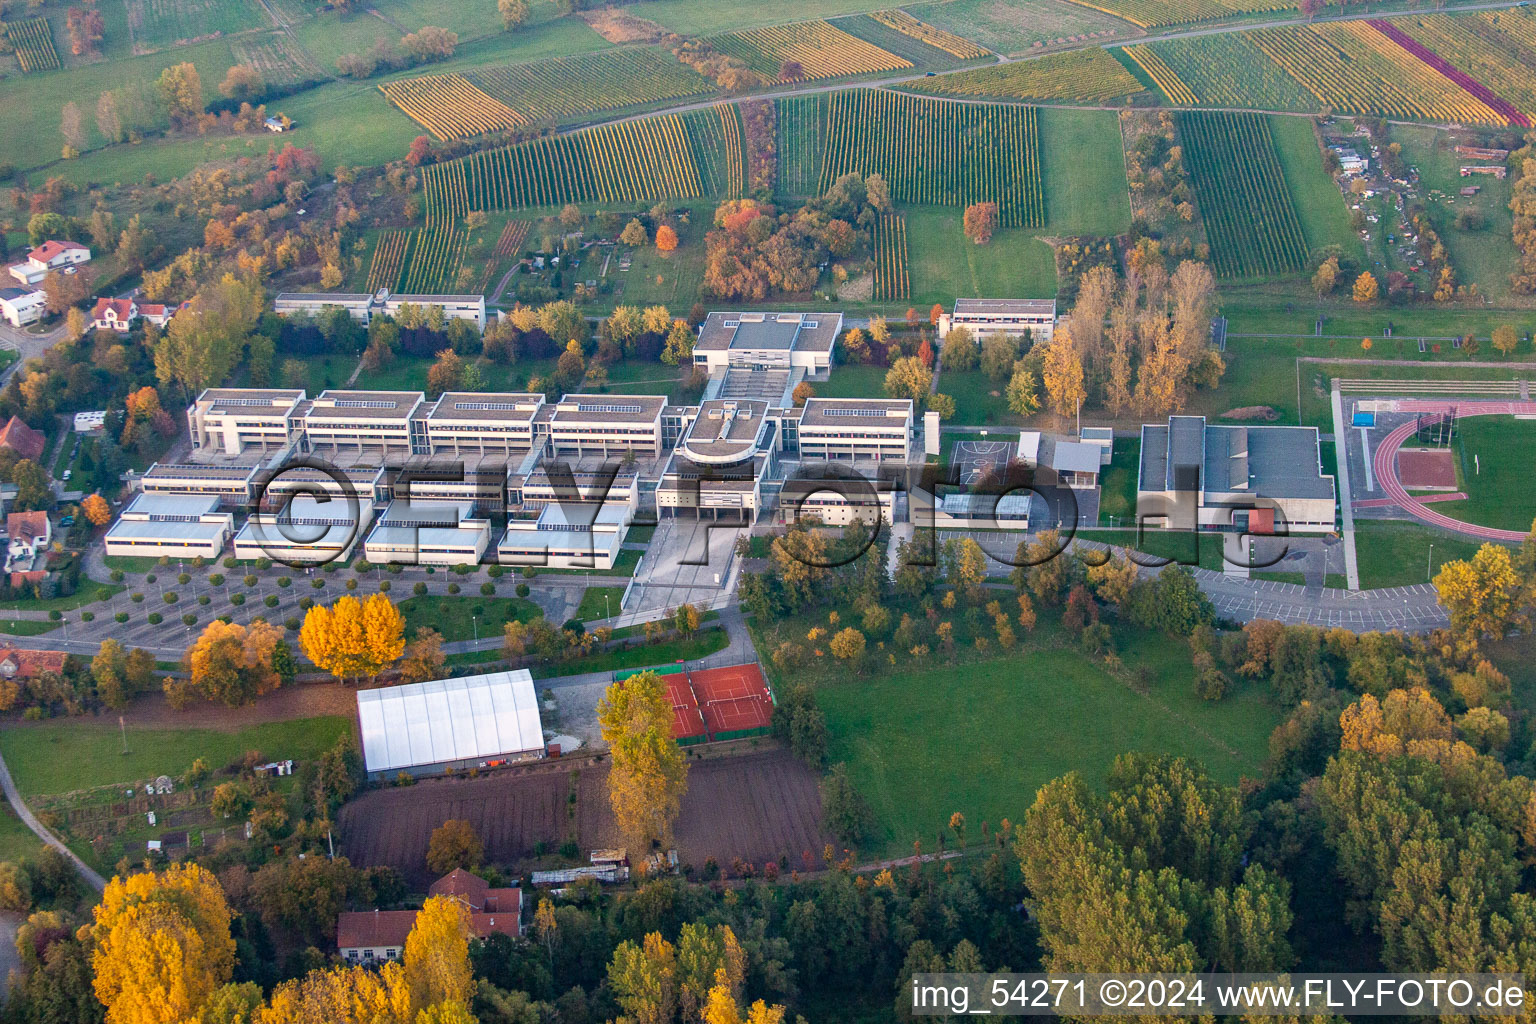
371	935
22	439
28	535
51	255
114	314
19	663
22	306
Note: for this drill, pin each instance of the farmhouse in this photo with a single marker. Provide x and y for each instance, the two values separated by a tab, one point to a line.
51	255
367	936
1016	317
768	341
22	306
1253	479
445	725
171	525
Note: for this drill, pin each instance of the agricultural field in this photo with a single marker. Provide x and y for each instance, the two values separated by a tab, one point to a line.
821	50
892	281
158	24
1162	76
509	244
937	152
1225	70
1498	61
892	40
33	40
1009	26
1162	13
388	260
437	253
628	161
1354	68
280	61
450	106
715	138
1086	76
755	807
1314	194
801	124
950	43
490	99
1249	214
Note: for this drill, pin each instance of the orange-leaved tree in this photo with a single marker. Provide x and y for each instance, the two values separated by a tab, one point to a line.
352	638
161	945
96	510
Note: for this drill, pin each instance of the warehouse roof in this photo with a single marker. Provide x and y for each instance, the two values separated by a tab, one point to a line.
445	720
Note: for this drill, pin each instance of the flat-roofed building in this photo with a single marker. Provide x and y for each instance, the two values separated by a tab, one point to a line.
339	483
232	484
462	422
478	480
171	525
428	533
855	429
987	317
385	420
836	501
567	536
572	484
364	306
972	510
720	463
605	425
768	341
1255	479
227	421
303	530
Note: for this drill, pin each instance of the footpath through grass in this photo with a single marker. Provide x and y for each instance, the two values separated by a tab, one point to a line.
69	754
923	743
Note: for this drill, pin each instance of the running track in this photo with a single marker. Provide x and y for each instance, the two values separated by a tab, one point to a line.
1385	462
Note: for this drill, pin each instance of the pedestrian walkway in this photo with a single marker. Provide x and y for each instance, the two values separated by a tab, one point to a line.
43	832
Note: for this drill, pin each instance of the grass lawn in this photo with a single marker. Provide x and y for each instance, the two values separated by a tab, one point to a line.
1117	488
27	627
16	840
1397	554
1496	454
63	756
599	603
853	382
1007	26
975	403
1318	201
702	643
457	617
1083	165
923	743
701	17
89	593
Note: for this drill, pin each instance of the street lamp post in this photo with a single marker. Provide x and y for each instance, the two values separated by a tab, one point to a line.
1429	562
475	625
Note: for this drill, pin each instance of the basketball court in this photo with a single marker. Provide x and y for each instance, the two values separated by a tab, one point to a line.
1427	469
979	459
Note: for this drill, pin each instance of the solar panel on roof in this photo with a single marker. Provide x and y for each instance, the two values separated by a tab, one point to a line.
608	408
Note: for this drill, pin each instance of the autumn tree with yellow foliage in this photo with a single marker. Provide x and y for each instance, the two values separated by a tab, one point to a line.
1483	594
161	945
234	663
648	776
352	639
437	954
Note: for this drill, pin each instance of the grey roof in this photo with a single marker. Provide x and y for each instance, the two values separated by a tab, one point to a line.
146	529
156	505
1272	462
803	332
383	405
605	409
198	471
473	405
16	293
1005	307
439	300
1075	457
1098	433
726	427
325	298
830	412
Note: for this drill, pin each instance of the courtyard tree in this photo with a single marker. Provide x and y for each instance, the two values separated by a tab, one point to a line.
96	510
1023	393
649	775
909	378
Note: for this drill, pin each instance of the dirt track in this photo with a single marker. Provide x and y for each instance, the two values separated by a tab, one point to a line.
755	807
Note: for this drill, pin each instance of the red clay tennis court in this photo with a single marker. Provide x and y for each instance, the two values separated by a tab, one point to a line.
1427	470
687	722
734	699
